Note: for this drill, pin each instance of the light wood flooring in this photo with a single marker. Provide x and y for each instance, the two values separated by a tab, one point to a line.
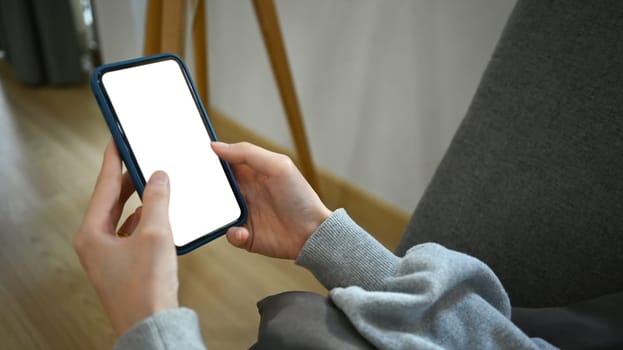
51	141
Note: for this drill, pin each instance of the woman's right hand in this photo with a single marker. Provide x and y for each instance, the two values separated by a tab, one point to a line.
283	208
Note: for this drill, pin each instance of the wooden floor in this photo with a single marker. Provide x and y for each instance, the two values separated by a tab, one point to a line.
51	141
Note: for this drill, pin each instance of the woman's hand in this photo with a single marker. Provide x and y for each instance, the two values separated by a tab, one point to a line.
134	276
283	208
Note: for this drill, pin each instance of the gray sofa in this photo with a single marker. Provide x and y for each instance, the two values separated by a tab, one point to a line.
532	183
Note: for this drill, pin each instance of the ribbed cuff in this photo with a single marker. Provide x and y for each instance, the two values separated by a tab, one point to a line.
340	254
164	330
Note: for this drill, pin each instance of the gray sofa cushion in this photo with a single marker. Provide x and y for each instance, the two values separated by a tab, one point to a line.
304	320
591	324
532	183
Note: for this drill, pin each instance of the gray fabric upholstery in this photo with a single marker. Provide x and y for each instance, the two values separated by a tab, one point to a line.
304	320
532	183
591	324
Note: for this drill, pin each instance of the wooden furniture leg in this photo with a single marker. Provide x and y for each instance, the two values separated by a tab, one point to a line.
165	32
200	44
271	33
153	27
165	27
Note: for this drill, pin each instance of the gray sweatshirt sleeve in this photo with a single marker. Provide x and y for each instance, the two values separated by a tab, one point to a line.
164	330
433	298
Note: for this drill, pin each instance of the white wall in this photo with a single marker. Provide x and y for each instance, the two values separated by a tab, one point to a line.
382	85
120	28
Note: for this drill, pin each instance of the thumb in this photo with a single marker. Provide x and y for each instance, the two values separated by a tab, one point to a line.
155	212
239	237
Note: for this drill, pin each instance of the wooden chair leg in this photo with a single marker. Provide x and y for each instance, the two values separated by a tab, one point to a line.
153	27
271	33
165	32
165	27
200	44
173	27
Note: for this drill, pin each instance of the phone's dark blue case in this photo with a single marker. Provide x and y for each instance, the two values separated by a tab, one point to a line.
126	153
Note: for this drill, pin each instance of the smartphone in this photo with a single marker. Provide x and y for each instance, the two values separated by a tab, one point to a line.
159	123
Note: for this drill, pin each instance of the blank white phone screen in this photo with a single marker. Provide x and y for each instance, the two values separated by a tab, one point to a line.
164	128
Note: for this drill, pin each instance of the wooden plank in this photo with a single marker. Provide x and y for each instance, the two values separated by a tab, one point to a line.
153	27
200	44
173	34
51	144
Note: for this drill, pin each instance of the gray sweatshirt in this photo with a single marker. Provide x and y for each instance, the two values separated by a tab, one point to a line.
433	298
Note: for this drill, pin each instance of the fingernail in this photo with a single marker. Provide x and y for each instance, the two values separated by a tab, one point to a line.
159	178
238	235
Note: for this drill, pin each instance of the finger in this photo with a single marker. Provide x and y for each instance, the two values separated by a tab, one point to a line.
104	200
155	212
130	223
127	188
238	237
260	159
